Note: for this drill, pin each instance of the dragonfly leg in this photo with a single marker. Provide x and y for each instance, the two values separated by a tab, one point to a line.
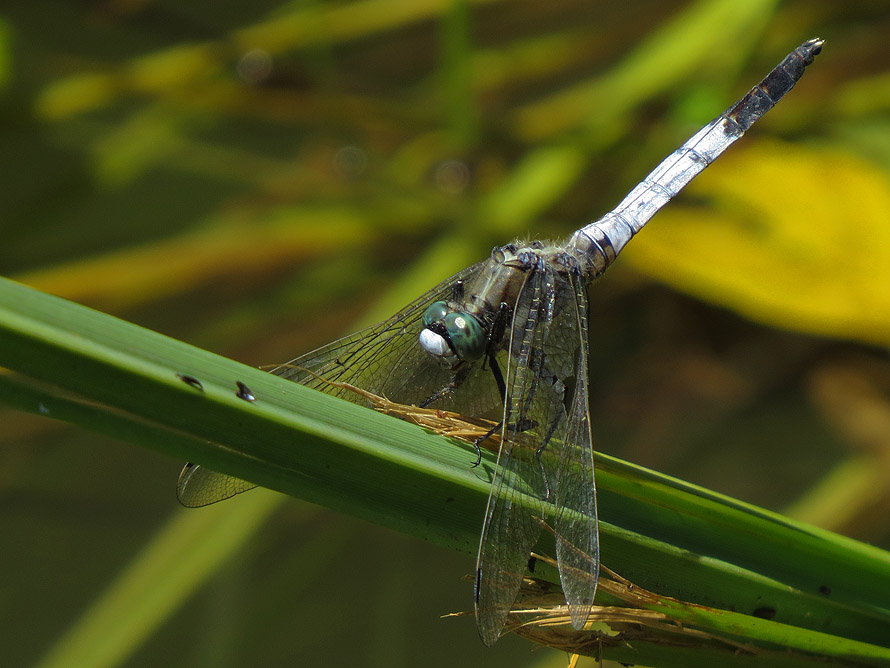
521	426
539	451
491	432
446	390
498	376
498	327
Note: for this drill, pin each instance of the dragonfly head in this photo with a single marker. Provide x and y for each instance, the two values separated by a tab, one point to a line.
451	336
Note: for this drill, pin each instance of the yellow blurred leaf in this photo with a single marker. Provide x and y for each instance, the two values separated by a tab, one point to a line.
176	67
172	70
793	237
76	95
224	247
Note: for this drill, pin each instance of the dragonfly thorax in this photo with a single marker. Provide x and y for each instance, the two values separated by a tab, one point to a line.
452	336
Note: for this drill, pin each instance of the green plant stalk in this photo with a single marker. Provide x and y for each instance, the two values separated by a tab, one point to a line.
663	534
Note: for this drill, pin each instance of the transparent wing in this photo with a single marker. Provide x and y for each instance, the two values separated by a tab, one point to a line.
384	359
546	456
199	486
519	487
574	493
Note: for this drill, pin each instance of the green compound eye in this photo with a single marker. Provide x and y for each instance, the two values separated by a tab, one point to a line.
434	313
466	335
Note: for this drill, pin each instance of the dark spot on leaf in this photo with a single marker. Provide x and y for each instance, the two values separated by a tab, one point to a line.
764	613
244	392
191	381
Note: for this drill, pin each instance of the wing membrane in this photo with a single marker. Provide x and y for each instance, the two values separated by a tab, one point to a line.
519	487
546	456
199	486
577	534
384	359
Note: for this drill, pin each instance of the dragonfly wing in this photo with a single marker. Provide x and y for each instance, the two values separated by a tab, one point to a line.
545	466
387	360
520	487
384	359
199	486
574	491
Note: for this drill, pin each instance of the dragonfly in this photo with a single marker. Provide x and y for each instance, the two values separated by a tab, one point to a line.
506	340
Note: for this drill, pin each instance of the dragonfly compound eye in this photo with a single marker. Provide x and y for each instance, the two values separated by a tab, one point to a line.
435	312
466	334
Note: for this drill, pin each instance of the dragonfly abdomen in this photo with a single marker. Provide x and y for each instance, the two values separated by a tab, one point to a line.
603	239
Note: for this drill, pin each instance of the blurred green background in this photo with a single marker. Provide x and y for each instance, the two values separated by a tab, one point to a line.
258	178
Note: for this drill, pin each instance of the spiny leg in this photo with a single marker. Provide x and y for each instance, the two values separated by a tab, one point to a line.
449	388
